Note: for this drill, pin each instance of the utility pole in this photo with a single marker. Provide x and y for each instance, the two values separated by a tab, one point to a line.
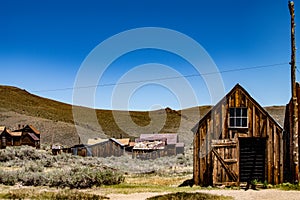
294	96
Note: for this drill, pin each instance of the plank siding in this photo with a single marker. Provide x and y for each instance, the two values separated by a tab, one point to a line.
214	129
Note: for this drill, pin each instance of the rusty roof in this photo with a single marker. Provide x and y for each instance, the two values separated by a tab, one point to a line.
93	141
33	129
33	136
124	141
15	134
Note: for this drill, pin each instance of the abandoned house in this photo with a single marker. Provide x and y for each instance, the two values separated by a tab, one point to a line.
98	147
152	146
28	135
237	141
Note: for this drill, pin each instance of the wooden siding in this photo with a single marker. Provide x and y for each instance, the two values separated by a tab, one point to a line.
290	173
217	146
103	149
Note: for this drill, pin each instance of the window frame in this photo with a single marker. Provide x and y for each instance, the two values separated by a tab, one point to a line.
237	117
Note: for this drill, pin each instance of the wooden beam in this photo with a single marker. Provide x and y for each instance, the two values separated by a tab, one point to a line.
294	94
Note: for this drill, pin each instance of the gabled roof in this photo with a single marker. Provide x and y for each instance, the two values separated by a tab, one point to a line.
30	127
33	129
236	87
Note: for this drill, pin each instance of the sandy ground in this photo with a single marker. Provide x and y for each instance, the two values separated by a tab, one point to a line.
270	194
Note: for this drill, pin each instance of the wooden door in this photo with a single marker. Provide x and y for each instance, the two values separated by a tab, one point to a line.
252	159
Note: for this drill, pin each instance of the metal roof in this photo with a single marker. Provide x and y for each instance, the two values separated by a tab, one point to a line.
33	136
124	141
93	141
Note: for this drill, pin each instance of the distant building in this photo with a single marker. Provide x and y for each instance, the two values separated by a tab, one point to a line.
98	147
152	146
28	135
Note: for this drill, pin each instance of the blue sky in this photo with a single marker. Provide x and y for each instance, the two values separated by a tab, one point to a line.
44	43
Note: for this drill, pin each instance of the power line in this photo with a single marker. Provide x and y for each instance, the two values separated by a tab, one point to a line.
164	78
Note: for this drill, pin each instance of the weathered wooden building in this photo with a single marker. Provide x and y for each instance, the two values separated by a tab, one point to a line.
28	135
291	172
100	148
237	141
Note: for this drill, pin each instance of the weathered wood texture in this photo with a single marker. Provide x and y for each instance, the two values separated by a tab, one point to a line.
290	144
217	145
103	149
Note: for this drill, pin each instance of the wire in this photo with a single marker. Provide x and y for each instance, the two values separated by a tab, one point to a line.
165	78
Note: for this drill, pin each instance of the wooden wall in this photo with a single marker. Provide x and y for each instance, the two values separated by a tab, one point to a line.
217	146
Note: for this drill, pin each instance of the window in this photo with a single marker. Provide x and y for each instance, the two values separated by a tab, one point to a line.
238	118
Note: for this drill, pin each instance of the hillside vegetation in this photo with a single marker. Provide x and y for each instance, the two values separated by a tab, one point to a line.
55	119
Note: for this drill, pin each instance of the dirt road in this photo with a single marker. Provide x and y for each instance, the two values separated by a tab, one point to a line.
270	194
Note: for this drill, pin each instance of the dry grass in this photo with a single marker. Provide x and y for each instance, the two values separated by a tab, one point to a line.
189	196
52	117
170	181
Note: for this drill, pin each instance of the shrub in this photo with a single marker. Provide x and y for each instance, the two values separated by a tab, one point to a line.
7	154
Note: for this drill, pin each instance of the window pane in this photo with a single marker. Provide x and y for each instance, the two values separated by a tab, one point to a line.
231	112
238	112
244	112
232	122
244	122
238	122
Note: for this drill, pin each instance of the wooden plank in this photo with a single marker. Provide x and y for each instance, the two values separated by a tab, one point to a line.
253	122
275	153
281	157
230	173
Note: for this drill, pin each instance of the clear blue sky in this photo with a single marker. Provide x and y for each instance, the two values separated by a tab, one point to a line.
43	44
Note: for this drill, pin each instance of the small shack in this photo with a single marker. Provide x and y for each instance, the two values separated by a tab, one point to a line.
98	147
237	141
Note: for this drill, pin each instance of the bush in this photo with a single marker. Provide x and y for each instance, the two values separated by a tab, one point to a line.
7	154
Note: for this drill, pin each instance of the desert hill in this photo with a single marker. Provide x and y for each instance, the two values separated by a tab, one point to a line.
55	119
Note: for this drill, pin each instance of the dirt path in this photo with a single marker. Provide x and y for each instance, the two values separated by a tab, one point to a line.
270	194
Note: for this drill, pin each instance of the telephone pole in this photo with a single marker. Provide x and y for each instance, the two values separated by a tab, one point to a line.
294	96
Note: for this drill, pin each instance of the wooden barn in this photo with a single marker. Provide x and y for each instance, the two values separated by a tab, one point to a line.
100	148
237	141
